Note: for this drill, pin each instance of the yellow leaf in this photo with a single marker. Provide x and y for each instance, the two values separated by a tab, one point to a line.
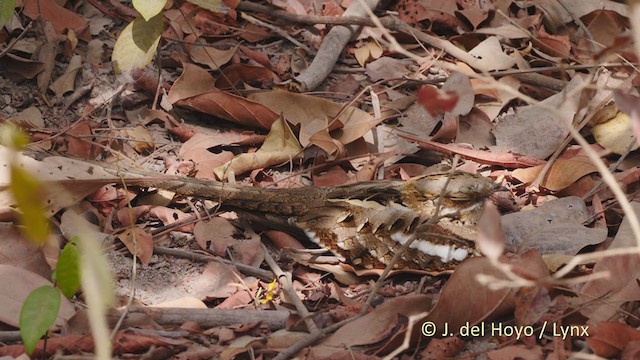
615	135
148	8
136	44
28	194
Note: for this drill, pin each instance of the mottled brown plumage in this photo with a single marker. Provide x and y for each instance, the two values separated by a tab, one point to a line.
366	223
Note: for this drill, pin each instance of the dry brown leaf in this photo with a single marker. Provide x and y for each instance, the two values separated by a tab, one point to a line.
620	285
21	66
216	281
58	16
453	310
371	49
378	326
17	251
387	68
78	140
193	81
140	138
232	108
556	227
609	339
215	234
210	56
29	118
168	216
237	73
513	352
21	283
535	130
55	168
279	147
67	81
138	242
307	110
563	173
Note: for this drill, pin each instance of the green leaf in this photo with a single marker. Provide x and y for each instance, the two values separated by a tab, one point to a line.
12	136
217	6
28	193
38	313
6	11
136	44
67	273
149	8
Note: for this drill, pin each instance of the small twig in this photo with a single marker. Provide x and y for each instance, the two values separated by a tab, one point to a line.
134	266
287	285
14	41
276	30
262	274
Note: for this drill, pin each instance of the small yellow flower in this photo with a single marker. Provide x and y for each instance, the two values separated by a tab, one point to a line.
271	291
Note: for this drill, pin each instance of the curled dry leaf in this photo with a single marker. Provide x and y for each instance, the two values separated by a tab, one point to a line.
66	82
370	49
314	114
51	11
491	56
279	147
232	108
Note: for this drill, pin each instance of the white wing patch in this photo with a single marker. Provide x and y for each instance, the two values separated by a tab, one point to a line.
446	253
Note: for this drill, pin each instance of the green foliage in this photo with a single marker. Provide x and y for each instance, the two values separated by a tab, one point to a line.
6	11
67	274
13	137
38	314
136	44
28	194
148	8
27	191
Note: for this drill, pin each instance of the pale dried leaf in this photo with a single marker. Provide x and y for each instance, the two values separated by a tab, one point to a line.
279	147
66	82
491	56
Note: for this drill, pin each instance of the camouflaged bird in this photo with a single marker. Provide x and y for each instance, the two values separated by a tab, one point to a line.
366	223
